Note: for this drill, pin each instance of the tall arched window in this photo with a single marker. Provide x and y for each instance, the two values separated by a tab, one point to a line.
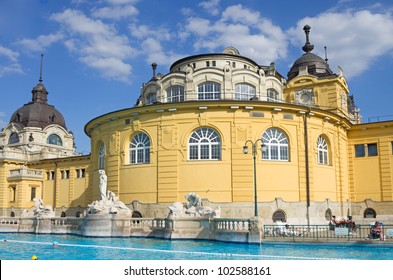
54	139
322	148
209	91
244	91
204	144
175	94
140	149
276	143
14	138
101	156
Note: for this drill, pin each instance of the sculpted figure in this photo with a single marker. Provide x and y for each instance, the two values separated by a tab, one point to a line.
192	208
103	184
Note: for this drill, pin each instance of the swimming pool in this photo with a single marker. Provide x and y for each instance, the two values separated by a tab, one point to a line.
24	246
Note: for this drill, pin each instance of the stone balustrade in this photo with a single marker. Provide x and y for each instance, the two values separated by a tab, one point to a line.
25	172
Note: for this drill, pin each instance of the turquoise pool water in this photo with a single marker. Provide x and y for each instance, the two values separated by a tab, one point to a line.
70	247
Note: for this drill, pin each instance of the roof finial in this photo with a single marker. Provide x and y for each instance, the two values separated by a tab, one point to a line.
40	80
154	66
326	59
307	47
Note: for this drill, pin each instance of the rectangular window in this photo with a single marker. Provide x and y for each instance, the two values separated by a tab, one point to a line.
372	150
360	151
80	173
12	193
207	63
65	174
214	63
33	193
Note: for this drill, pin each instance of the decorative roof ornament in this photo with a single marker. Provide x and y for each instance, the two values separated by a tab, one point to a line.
307	47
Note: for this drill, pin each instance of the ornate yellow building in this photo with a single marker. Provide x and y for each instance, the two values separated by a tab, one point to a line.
189	131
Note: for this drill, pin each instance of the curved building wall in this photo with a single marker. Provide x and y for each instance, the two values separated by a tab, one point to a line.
170	173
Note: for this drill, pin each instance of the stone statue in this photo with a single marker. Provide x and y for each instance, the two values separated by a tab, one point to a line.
103	184
110	205
40	210
193	208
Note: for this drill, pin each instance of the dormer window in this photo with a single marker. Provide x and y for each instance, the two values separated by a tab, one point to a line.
54	139
14	138
151	98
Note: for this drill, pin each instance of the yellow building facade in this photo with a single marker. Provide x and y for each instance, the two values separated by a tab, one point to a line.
189	130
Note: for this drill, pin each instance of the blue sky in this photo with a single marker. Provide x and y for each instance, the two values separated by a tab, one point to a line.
97	53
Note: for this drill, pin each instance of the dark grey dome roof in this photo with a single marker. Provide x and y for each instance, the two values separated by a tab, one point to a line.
38	113
316	66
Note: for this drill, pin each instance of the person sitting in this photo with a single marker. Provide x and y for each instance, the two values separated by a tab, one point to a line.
343	223
376	231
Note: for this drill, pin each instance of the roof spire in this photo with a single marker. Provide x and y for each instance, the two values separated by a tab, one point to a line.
42	58
307	47
326	59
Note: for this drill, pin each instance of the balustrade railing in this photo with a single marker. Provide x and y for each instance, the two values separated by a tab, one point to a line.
232	224
326	232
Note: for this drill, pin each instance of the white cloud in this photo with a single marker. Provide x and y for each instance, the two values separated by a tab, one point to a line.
115	13
41	42
242	28
9	62
97	43
211	6
353	39
145	31
155	52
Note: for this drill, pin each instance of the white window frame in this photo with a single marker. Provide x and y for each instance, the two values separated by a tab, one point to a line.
323	150
139	149
277	145
273	95
209	91
204	144
244	91
175	94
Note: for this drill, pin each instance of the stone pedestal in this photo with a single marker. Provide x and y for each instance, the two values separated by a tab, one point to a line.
106	225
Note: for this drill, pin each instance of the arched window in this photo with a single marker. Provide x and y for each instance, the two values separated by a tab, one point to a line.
54	139
244	91
101	156
209	91
322	148
151	98
272	95
370	213
140	149
175	94
136	214
279	215
14	138
204	144
328	214
276	143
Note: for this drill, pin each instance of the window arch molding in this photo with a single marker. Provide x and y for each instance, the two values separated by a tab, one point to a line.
276	144
204	143
139	148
